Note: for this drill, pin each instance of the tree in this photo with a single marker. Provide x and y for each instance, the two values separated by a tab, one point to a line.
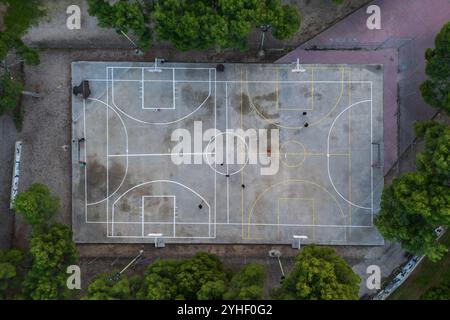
434	161
193	273
319	274
248	283
159	281
411	209
440	292
10	93
103	287
211	290
20	15
203	24
124	16
36	205
52	251
10	261
436	90
284	20
202	277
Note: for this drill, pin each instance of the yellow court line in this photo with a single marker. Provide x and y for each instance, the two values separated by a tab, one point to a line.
277	88
314	220
314	154
312	88
289	182
317	67
293	127
242	172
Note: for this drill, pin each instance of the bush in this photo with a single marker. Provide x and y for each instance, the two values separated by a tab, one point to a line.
36	205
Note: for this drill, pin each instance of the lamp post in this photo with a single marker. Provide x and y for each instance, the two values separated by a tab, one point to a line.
118	274
264	28
277	254
137	50
299	238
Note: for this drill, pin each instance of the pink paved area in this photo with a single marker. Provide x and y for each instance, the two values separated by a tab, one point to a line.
408	28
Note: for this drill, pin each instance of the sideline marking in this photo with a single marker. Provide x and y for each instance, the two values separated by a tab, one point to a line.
126	155
328	155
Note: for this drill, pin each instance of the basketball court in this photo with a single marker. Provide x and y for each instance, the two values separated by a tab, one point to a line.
320	174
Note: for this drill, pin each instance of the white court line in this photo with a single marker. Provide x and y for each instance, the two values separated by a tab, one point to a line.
143	90
245	224
126	168
162	181
163	237
107	162
226	152
215	166
161	154
107	151
242	81
85	159
166	68
371	147
328	154
159	123
173	89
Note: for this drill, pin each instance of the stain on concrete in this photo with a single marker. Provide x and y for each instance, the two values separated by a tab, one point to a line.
267	97
245	105
96	172
116	172
125	206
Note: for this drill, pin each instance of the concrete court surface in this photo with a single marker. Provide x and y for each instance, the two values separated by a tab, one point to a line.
322	181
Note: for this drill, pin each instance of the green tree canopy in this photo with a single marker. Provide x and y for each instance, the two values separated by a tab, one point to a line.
203	24
36	205
202	277
20	15
159	281
10	260
52	251
10	92
248	283
434	161
319	274
436	90
123	16
440	292
193	274
103	287
411	209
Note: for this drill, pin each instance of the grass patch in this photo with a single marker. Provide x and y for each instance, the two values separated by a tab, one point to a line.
426	276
